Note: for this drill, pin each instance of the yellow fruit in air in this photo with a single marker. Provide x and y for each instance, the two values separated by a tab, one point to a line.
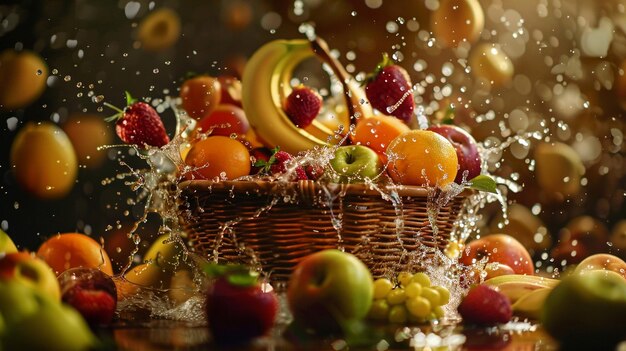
23	78
43	160
489	62
422	158
559	169
87	133
159	30
457	21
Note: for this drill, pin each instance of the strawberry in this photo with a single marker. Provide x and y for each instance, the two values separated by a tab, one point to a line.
277	164
387	86
302	106
139	124
484	305
96	306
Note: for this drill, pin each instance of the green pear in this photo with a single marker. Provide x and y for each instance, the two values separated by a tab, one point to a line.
17	301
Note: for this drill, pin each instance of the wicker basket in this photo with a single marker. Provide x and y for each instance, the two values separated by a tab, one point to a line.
276	224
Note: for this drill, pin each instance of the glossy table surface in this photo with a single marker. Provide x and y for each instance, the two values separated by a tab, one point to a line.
177	335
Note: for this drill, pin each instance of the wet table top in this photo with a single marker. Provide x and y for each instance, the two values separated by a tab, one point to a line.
173	335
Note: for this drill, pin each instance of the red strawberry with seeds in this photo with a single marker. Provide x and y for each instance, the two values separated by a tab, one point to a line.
484	305
96	306
139	124
302	106
389	85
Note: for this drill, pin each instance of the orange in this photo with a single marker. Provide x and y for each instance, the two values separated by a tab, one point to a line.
70	250
23	76
377	132
423	158
43	160
87	132
218	157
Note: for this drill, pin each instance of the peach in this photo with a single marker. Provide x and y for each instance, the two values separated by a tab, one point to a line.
501	248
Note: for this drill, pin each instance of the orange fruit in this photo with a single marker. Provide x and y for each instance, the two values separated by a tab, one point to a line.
43	160
70	250
378	131
23	76
423	158
218	157
200	95
159	30
87	132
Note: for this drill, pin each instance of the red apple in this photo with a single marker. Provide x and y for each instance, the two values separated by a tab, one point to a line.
30	270
239	307
225	120
466	150
501	248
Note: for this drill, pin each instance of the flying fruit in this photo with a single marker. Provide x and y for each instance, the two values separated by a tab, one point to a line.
329	291
587	311
489	62
389	90
355	164
500	248
159	30
200	95
266	84
43	160
23	78
457	21
239	307
29	270
87	132
6	244
165	252
559	169
466	151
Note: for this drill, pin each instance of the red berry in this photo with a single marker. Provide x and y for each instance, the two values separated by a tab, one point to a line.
484	305
280	157
314	172
387	86
139	124
301	174
96	306
302	106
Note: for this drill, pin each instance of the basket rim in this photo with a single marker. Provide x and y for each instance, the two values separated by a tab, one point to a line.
265	186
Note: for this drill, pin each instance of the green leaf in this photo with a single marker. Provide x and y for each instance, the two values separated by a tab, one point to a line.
129	99
483	182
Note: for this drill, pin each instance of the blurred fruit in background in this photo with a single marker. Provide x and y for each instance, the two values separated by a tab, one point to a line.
87	132
43	160
524	226
457	21
490	63
6	243
23	77
159	30
581	237
559	170
25	268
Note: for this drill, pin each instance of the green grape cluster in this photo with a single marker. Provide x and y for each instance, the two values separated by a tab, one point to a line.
412	299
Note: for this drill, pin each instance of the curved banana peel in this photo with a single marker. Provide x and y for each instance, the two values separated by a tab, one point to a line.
530	305
515	286
266	84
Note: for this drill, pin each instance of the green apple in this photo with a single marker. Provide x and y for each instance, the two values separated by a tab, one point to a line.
328	290
26	268
587	309
355	163
6	244
53	327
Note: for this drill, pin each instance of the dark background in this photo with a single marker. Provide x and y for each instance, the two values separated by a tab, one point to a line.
216	38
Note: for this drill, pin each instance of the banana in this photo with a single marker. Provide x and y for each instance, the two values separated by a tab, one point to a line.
266	84
514	286
530	305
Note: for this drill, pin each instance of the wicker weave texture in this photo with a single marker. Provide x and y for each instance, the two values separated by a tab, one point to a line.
275	225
